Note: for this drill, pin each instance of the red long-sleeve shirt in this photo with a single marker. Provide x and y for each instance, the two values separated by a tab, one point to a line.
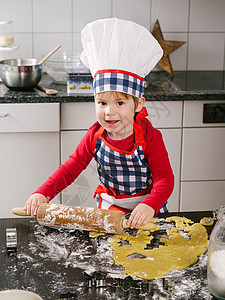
156	154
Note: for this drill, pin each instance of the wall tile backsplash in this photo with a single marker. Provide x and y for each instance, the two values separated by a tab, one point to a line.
39	25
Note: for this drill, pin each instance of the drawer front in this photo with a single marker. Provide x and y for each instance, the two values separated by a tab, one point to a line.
193	114
202	195
165	114
77	115
35	117
203	154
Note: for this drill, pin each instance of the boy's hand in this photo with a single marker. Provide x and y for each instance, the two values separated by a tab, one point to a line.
141	215
33	203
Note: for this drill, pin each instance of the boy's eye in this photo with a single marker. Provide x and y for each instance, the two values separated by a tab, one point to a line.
120	102
102	103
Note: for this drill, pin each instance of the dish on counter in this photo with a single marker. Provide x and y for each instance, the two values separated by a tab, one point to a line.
18	295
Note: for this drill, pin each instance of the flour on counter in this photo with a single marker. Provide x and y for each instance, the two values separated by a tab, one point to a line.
75	250
56	256
187	284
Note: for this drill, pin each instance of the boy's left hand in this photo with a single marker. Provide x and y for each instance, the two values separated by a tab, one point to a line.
141	215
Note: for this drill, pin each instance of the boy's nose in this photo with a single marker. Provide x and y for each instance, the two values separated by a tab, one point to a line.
109	110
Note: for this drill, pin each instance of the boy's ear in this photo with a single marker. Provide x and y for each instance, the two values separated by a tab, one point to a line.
141	103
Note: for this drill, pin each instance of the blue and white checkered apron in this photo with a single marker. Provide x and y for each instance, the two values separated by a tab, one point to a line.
125	177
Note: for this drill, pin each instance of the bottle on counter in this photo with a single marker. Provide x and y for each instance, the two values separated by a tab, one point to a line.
8	50
216	256
6	33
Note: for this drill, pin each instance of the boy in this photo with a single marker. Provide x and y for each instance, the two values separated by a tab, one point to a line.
132	162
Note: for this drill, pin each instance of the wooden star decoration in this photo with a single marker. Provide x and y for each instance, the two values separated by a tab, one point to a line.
167	46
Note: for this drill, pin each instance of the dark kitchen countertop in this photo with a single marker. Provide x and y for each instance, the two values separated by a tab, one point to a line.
52	263
160	86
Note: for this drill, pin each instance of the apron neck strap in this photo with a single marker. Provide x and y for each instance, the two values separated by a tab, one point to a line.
140	116
138	129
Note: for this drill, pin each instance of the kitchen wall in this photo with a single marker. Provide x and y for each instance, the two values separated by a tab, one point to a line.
42	24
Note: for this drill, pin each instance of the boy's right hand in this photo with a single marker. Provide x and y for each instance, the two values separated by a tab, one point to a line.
33	203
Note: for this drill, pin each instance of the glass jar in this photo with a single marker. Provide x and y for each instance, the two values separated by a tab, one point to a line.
216	256
6	33
79	79
9	52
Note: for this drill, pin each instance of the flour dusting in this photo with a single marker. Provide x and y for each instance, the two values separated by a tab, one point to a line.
58	259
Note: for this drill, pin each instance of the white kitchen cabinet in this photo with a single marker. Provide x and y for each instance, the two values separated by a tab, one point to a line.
193	114
76	118
203	154
165	114
29	117
79	193
172	140
203	163
167	117
29	152
202	195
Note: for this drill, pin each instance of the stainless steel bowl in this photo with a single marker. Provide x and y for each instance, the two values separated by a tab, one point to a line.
20	74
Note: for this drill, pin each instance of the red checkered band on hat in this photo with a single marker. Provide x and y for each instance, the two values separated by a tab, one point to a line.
120	81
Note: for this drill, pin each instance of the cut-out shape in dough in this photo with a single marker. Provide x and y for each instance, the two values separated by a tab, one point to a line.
207	221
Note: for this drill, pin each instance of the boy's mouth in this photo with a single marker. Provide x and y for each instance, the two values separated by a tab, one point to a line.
111	122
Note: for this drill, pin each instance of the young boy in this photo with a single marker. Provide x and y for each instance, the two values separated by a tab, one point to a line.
133	166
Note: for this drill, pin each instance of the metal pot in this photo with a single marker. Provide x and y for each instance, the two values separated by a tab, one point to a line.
20	74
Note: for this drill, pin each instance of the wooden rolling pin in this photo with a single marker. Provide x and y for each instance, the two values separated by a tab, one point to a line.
81	218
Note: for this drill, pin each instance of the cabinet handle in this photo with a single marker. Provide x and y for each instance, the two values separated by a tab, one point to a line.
3	115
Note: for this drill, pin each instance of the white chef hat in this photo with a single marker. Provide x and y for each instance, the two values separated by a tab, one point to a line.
119	55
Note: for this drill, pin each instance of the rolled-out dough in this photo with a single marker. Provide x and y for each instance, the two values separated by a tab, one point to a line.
177	252
149	226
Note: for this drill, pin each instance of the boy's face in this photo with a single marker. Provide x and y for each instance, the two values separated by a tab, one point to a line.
115	113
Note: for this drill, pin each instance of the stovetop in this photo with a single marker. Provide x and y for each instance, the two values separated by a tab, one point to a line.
199	80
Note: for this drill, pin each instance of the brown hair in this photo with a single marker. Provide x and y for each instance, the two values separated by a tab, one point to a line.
136	99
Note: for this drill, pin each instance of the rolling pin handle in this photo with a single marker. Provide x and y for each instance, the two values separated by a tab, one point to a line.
19	211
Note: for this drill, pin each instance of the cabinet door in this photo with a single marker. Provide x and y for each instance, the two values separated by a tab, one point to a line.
29	117
81	192
167	117
193	113
203	154
77	115
172	140
202	195
165	114
26	160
